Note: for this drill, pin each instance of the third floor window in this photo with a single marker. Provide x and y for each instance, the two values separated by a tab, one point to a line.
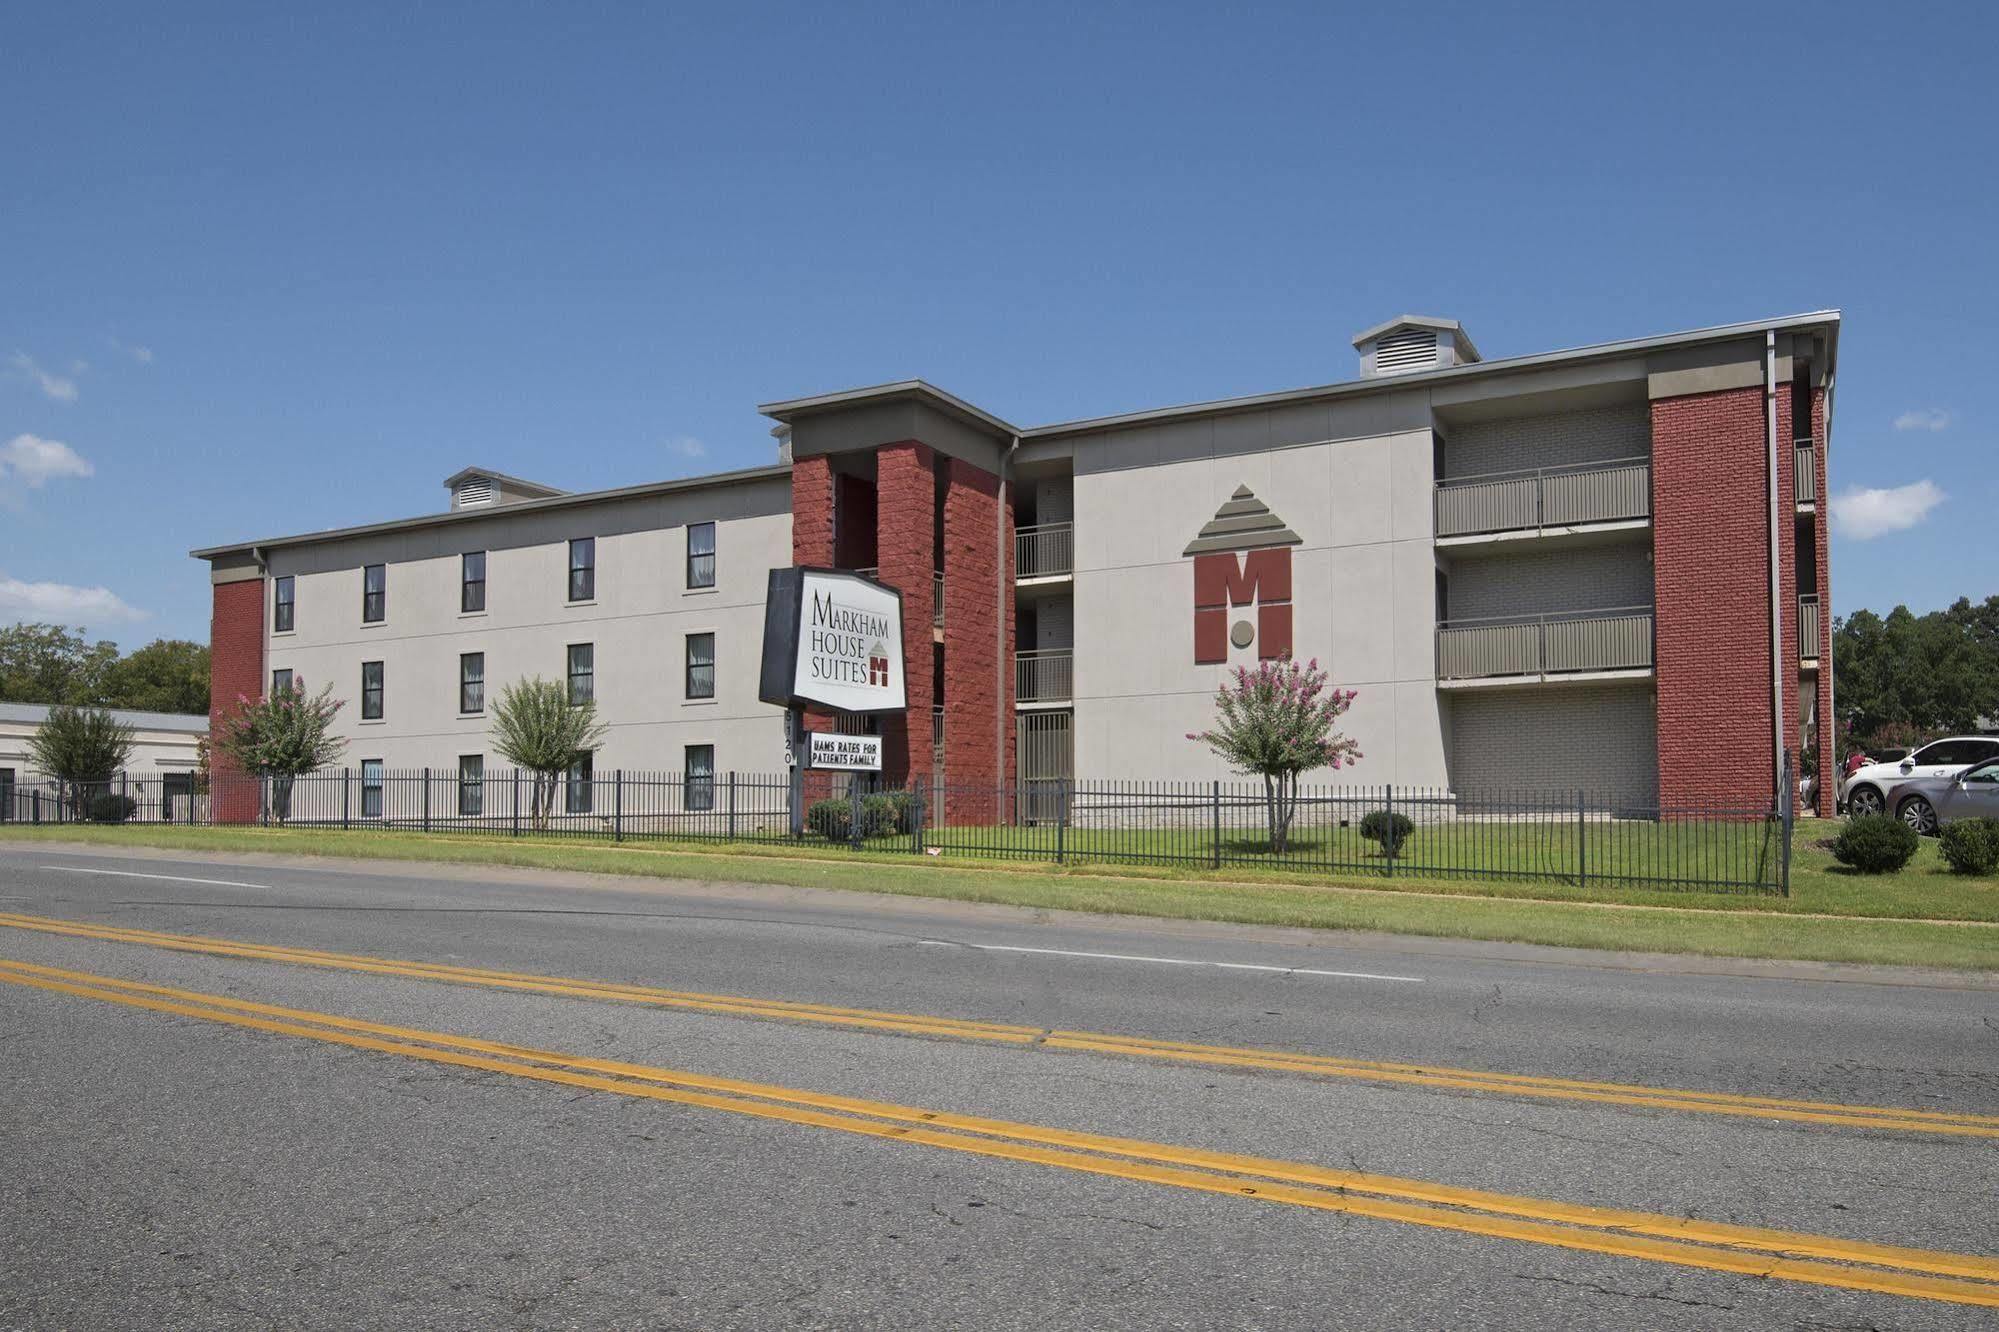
472	581
374	594
282	606
583	569
701	554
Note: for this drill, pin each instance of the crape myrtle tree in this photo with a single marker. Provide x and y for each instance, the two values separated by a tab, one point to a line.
282	736
1275	722
536	727
81	748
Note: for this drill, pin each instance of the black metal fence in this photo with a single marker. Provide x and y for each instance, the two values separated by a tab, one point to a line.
1575	837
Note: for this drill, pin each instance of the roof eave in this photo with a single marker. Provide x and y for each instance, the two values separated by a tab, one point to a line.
917	390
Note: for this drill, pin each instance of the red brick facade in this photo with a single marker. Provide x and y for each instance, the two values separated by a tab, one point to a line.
977	626
812	512
236	672
903	509
1711	572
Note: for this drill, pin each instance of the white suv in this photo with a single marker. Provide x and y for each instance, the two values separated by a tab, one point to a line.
1866	791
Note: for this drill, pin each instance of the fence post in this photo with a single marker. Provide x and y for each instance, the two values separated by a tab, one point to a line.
1062	820
1390	843
1787	804
264	800
37	804
732	805
426	799
346	785
1215	825
618	804
854	811
1582	842
517	804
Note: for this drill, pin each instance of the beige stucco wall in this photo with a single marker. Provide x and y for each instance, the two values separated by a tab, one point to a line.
638	623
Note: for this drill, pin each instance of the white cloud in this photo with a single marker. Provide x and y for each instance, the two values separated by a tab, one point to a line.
143	355
31	461
687	446
1866	514
64	603
61	388
1924	418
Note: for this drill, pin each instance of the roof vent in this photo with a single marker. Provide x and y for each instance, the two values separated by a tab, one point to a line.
1413	343
473	490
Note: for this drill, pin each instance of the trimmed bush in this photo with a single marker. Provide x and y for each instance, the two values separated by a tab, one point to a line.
1970	846
1875	844
1389	829
110	807
831	819
883	814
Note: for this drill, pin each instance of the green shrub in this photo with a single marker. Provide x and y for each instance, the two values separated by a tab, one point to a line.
1970	846
831	819
1389	829
1875	844
110	807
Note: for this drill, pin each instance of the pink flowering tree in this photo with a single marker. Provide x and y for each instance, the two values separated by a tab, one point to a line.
282	736
1276	722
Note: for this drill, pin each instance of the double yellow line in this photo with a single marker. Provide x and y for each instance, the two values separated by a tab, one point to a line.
909	1024
1742	1250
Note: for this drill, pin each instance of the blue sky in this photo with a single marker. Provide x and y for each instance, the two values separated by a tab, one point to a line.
267	269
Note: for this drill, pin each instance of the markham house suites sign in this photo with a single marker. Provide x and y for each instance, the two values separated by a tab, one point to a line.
831	640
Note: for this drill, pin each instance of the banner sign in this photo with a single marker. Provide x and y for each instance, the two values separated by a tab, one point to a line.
848	752
832	639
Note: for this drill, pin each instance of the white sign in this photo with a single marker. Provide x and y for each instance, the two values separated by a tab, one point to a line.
849	645
846	751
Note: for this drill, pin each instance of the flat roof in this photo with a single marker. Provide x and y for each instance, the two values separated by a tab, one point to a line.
191	723
484	511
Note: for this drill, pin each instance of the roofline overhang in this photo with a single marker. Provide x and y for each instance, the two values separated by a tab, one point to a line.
560	501
904	390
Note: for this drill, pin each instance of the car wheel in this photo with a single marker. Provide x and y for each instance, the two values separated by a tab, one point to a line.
1864	800
1920	815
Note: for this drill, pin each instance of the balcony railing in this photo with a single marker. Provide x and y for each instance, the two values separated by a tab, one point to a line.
1805	476
1044	550
1808	628
1046	675
1597	492
1615	638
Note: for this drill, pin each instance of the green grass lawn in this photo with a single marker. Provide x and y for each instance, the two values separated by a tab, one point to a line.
1831	915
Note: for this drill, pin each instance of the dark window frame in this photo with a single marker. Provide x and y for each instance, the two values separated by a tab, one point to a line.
471	591
371	809
471	684
693	686
286	683
374	600
698	787
698	574
579	785
588	675
471	785
284	604
583	571
378	689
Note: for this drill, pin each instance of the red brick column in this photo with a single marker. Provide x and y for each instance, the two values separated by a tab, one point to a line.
974	751
906	549
1711	562
812	511
235	673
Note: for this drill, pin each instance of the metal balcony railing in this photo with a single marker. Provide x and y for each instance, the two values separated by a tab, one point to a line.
1613	638
1044	550
1808	628
1805	477
1595	492
1045	675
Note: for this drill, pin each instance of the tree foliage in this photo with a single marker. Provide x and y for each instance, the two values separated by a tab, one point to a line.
536	727
1905	674
49	663
82	748
1276	722
281	736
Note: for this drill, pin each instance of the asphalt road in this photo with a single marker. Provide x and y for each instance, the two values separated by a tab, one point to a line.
180	1168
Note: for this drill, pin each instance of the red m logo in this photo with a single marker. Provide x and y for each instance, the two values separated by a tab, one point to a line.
1259	577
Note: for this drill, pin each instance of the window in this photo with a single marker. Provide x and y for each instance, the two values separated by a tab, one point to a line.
1984	774
471	682
701	554
701	666
700	777
1950	751
472	581
282	607
371	788
281	682
371	691
374	594
471	783
583	569
581	785
582	674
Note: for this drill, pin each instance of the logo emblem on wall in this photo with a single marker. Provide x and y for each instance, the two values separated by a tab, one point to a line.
1242	558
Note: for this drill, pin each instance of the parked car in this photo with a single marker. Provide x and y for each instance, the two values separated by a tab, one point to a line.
1927	803
1866	791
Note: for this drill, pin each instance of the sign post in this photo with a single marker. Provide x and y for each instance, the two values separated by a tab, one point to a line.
794	762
